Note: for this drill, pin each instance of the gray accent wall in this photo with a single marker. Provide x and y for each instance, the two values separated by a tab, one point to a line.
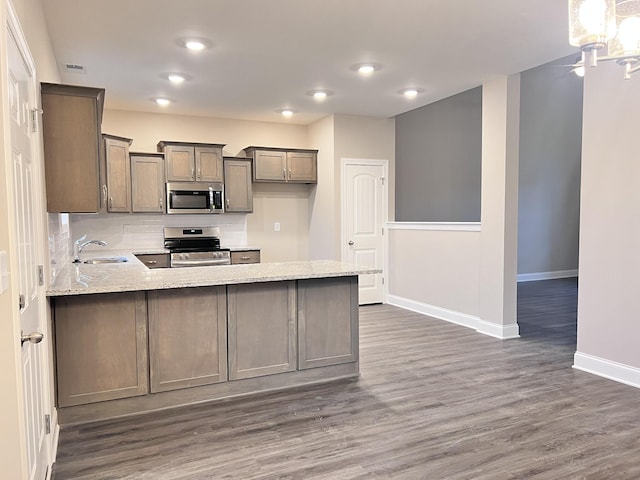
549	183
438	160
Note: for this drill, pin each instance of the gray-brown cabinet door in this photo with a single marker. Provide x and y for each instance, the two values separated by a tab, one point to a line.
261	329
187	337
71	122
209	164
147	183
270	166
180	161
302	167
238	188
327	321
118	174
101	347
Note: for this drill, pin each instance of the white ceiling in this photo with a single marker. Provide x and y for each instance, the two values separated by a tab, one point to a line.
267	54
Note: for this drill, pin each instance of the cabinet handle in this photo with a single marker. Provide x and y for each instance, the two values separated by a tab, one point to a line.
227	202
199	174
245	258
104	195
151	262
284	173
110	203
289	174
161	204
193	173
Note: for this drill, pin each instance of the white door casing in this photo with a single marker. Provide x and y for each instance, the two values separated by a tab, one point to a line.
27	224
364	214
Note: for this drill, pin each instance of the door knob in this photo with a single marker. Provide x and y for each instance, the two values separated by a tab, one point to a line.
351	243
34	337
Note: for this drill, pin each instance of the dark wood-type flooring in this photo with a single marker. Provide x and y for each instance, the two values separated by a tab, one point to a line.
434	401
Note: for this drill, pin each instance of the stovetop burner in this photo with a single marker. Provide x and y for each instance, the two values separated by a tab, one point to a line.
187	239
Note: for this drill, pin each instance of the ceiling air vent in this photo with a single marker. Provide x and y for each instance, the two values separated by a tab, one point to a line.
74	68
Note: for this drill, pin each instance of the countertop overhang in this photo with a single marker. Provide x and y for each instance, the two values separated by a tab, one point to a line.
80	279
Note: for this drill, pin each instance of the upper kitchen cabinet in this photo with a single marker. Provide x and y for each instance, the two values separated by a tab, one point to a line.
189	162
147	182
238	190
74	171
118	173
283	165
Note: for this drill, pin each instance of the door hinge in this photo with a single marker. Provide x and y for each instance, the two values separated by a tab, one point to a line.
34	119
382	231
382	180
47	424
40	275
383	280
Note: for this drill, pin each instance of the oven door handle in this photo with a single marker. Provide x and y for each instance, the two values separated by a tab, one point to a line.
212	206
199	263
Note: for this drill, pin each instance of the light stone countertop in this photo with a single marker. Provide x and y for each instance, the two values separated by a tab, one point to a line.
79	279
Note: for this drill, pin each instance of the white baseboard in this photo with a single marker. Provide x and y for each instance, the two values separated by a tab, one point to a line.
470	321
55	438
503	332
608	369
532	277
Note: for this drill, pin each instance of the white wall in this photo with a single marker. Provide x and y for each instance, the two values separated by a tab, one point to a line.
435	271
499	217
608	300
323	224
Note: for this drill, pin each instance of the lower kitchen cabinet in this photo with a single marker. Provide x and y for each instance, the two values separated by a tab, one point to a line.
187	337
327	321
261	329
245	256
101	347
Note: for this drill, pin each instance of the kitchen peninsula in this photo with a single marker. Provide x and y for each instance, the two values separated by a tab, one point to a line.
129	339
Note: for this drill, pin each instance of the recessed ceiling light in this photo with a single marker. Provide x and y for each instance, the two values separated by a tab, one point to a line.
286	113
411	92
175	77
366	68
194	44
319	94
163	102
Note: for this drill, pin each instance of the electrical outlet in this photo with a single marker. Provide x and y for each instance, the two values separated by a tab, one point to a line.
276	227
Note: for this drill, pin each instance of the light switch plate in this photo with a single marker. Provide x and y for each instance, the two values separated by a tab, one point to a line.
4	272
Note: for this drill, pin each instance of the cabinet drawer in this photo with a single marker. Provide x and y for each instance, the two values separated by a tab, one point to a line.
249	256
155	260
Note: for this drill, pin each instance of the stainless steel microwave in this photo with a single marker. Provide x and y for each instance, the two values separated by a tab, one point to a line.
195	197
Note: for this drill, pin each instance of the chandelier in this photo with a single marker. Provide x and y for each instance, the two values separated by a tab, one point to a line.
607	25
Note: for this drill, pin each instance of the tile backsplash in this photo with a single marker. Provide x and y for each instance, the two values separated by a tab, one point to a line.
59	240
143	233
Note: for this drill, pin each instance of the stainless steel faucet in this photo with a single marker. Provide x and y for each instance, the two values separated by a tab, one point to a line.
79	245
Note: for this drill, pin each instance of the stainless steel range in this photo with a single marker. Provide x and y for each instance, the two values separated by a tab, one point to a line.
194	247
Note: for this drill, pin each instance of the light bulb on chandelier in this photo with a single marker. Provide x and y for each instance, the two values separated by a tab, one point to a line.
606	25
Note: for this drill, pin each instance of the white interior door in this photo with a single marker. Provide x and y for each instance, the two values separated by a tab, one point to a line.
364	216
27	200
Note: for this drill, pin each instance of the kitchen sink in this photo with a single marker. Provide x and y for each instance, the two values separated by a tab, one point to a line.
105	260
